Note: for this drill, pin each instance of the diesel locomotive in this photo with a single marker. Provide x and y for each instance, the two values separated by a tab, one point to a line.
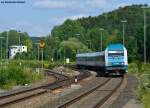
113	60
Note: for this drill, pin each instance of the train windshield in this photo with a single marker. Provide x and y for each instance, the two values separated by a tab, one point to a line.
115	53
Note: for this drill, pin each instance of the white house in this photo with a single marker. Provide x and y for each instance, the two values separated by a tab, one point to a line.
13	50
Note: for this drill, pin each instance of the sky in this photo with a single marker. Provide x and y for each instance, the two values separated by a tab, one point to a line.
38	17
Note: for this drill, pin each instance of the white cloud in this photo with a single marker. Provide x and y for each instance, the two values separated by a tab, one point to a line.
32	29
70	4
59	20
78	16
50	4
122	5
97	3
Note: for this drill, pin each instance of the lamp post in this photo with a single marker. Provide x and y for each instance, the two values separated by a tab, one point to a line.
144	29
7	47
57	43
123	30
20	47
53	55
78	35
101	29
1	48
42	46
38	51
42	59
90	43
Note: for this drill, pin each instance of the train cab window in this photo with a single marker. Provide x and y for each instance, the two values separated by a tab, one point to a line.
115	54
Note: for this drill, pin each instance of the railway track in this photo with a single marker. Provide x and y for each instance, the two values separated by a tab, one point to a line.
110	93
17	96
94	97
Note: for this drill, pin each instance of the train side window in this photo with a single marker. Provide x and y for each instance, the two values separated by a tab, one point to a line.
78	59
92	58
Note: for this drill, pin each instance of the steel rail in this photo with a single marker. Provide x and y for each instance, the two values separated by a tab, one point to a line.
101	102
83	95
62	81
33	88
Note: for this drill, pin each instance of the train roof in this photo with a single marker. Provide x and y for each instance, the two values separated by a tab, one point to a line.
115	47
92	54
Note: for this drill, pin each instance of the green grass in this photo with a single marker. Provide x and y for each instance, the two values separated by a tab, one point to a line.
142	72
14	75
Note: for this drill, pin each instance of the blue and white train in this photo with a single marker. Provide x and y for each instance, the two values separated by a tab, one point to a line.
112	61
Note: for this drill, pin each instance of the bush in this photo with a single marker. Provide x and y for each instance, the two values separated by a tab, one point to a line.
133	68
9	85
142	72
15	75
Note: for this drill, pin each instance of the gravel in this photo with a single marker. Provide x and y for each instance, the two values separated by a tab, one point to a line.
64	98
128	98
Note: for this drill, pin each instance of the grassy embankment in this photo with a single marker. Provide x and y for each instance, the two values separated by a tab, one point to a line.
13	74
142	72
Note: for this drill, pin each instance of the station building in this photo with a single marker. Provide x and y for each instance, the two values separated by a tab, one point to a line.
13	50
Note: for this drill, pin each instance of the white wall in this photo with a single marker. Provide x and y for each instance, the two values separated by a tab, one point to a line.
13	50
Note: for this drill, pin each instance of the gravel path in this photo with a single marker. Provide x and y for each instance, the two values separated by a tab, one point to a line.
65	98
127	98
93	98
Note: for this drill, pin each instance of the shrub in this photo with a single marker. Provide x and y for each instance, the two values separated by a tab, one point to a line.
15	75
142	71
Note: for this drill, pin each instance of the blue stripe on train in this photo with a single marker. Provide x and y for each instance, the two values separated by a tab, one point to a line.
125	67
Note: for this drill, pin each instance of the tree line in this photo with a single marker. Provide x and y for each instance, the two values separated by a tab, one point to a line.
89	30
84	35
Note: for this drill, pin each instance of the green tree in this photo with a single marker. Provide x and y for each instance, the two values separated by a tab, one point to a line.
71	47
69	29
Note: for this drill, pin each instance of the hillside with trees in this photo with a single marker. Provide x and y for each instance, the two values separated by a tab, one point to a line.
88	31
84	35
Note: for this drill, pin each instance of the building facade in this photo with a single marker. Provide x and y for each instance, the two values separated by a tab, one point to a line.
13	50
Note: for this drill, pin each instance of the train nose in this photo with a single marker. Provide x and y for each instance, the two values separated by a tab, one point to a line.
116	63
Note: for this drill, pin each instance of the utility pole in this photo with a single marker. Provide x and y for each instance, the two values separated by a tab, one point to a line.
101	29
1	47
42	46
144	29
123	30
38	52
20	47
7	47
90	43
42	59
78	35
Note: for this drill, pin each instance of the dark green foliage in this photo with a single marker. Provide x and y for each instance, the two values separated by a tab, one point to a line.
68	29
69	48
89	30
15	75
13	39
142	72
12	74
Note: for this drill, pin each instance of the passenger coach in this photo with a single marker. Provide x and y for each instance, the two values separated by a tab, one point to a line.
111	61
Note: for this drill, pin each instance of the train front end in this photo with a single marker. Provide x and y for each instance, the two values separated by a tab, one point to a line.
116	62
